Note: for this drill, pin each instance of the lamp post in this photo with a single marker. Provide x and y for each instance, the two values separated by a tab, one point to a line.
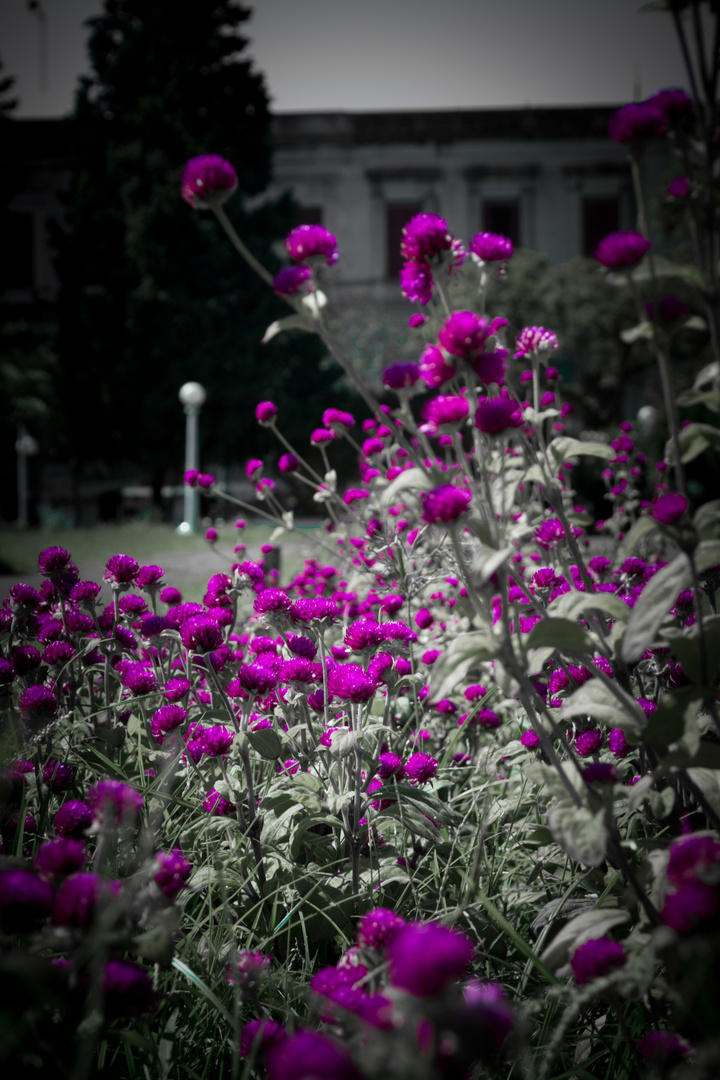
192	397
26	446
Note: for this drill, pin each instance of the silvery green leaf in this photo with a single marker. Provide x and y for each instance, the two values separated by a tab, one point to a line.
652	607
462	654
410	478
579	832
584	927
288	322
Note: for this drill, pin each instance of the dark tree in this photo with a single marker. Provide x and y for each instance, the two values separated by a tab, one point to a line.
153	294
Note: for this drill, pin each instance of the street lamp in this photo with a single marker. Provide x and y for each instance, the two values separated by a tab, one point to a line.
192	396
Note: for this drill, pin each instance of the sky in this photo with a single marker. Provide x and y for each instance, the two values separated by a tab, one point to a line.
328	55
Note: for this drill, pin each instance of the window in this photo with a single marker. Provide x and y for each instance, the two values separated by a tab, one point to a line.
18	269
396	216
599	217
309	215
503	216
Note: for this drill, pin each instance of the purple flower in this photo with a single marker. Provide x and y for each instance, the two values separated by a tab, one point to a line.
534	339
171	596
308	240
113	800
311	609
487	1009
445	409
618	743
637	121
596	958
62	856
672	101
127	988
421	768
350	683
588	742
670	308
138	678
363	634
668	509
401	374
256	677
248	968
601	772
488	718
53	561
530	739
288	463
491	247
378	927
217	741
38	704
425	958
172	873
693	901
201	634
166	719
58	652
73	818
176	688
25	900
679	187
25	596
149	577
390	765
416	320
25	658
622	249
444	503
309	1055
270	601
121	569
260	1035
426	237
265	413
663	1047
498	414
78	896
58	776
434	369
290	280
416	282
207	181
217	805
466	335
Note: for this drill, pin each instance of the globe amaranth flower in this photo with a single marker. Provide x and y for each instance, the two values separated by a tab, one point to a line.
25	658
663	1047
208	180
670	309
121	569
136	677
58	776
61	856
401	374
217	741
58	652
530	740
425	958
490	1013
24	596
620	249
363	634
679	187
336	418
25	900
444	503
308	1055
491	247
171	596
378	927
248	969
468	337
534	339
308	240
434	369
596	958
113	800
166	719
265	413
498	414
73	818
172	873
416	282
201	634
217	805
310	609
693	898
259	1036
53	561
290	280
38	704
149	577
601	772
271	601
637	120
588	742
668	509
426	237
78	896
443	410
420	768
350	683
127	989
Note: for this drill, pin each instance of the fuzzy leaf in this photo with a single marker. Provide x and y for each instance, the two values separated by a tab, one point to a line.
410	478
288	322
564	447
674	711
573	604
686	646
560	634
266	742
653	605
579	832
595	699
414	820
643	331
462	654
585	927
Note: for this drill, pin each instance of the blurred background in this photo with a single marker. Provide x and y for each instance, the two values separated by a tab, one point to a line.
114	293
